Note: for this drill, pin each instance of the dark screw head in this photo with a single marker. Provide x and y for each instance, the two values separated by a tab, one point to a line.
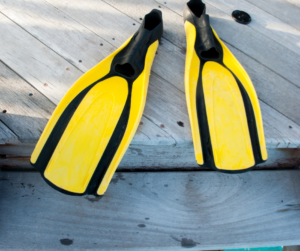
180	123
30	94
4	111
159	6
290	127
141	18
133	24
80	61
101	44
113	38
241	17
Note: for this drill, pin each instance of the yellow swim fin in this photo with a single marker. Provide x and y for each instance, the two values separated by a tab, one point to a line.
93	125
223	107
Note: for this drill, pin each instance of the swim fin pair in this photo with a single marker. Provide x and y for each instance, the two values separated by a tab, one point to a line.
93	125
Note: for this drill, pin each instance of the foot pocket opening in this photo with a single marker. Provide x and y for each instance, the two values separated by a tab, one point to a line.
152	20
125	69
212	53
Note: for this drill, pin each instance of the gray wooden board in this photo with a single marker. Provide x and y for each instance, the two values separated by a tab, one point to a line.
87	27
150	157
248	45
44	39
153	211
7	135
76	37
27	109
240	36
287	11
263	22
32	73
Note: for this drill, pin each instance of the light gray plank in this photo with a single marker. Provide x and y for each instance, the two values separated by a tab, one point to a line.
40	65
287	11
254	44
27	109
62	34
35	62
294	2
115	27
72	37
156	157
6	135
263	22
264	78
162	111
154	211
272	88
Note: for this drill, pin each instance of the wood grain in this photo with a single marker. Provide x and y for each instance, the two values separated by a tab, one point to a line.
240	36
272	84
35	62
51	75
6	135
27	109
287	11
263	22
271	87
153	158
65	32
154	211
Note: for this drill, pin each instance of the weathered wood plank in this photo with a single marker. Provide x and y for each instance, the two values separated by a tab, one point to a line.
35	62
287	11
263	22
45	70
164	112
154	211
115	27
294	2
153	157
72	37
272	88
59	32
242	37
27	109
283	94
6	135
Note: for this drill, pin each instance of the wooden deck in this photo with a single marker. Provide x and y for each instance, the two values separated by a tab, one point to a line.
46	45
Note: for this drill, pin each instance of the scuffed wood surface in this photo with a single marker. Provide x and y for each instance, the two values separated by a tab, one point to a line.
286	10
151	157
49	44
270	64
154	211
27	109
6	135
